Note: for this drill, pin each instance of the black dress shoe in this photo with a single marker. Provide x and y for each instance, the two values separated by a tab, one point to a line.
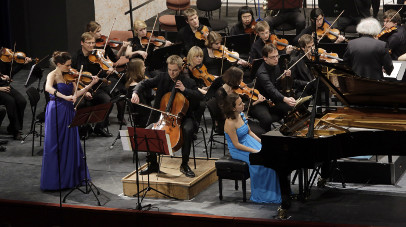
3	142
153	168
102	132
185	169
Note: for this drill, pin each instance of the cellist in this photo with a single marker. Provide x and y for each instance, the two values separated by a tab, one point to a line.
164	82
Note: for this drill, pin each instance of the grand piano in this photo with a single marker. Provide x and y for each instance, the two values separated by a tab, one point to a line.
370	122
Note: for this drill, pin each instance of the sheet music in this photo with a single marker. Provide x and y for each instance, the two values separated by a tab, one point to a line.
29	75
168	140
395	71
125	140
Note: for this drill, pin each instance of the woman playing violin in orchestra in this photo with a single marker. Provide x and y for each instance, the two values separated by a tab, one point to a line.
317	19
139	44
62	146
394	34
165	82
263	31
246	22
81	57
241	142
193	34
135	74
95	28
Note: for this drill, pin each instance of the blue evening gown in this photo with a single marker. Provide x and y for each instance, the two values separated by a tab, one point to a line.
72	167
264	181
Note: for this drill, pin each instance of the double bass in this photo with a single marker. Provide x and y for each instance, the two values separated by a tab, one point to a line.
176	104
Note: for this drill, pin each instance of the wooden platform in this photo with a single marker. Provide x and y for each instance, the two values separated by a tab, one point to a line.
171	181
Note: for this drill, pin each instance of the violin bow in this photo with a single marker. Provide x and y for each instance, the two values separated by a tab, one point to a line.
222	56
152	32
81	98
330	26
12	60
293	65
383	28
252	94
111	29
77	83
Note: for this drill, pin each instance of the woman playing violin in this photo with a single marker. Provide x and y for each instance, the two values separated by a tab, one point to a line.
246	22
135	74
61	141
393	34
317	18
95	28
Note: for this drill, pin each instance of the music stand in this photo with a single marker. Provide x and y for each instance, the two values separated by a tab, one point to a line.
146	140
157	59
35	74
238	43
85	116
397	72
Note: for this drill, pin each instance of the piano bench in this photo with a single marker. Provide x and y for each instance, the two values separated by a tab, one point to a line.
232	169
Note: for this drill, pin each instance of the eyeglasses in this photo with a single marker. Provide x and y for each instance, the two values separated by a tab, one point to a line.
273	57
90	43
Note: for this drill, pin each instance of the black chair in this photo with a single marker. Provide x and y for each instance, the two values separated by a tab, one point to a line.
246	3
197	143
232	169
217	128
209	6
34	97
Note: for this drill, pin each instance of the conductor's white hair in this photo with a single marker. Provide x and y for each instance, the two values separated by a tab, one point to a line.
369	26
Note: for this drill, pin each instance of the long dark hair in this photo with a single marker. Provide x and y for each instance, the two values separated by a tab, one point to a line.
229	105
241	11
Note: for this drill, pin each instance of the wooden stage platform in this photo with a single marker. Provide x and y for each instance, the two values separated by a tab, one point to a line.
171	181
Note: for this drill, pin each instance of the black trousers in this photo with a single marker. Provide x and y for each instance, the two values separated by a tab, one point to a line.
375	7
15	104
188	127
267	115
3	112
295	19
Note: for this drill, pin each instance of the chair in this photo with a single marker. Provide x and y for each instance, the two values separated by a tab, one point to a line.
167	23
34	97
209	6
195	144
233	169
217	128
246	3
178	5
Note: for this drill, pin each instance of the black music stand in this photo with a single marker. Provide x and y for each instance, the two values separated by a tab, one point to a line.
148	140
157	59
85	116
238	43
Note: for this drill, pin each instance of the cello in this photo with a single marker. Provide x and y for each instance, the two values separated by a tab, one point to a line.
174	103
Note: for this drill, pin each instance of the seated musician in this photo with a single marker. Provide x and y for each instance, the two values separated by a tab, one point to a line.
394	34
263	31
13	101
317	19
293	17
187	34
81	57
366	55
353	14
165	82
95	28
268	85
245	20
134	75
241	142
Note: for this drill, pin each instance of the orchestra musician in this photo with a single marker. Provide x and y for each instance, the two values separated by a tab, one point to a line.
63	152
354	13
135	74
187	34
317	19
366	55
268	85
245	22
164	82
394	34
241	142
290	16
81	57
263	31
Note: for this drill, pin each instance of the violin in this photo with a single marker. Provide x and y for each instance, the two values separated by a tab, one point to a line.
327	57
251	93
200	72
202	32
386	33
157	41
332	33
85	78
176	104
114	42
250	29
231	56
7	55
280	44
97	57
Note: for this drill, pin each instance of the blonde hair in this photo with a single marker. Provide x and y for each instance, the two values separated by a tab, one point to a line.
134	71
139	24
193	52
175	60
212	38
261	26
189	12
86	36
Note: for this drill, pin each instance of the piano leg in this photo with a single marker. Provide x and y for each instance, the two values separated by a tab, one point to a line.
284	183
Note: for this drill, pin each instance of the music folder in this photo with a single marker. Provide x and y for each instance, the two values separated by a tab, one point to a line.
398	71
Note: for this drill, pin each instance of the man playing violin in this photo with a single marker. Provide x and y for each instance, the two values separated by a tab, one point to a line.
81	57
366	55
317	19
187	34
268	85
393	33
263	31
164	82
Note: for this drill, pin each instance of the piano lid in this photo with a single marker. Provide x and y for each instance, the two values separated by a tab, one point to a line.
353	90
